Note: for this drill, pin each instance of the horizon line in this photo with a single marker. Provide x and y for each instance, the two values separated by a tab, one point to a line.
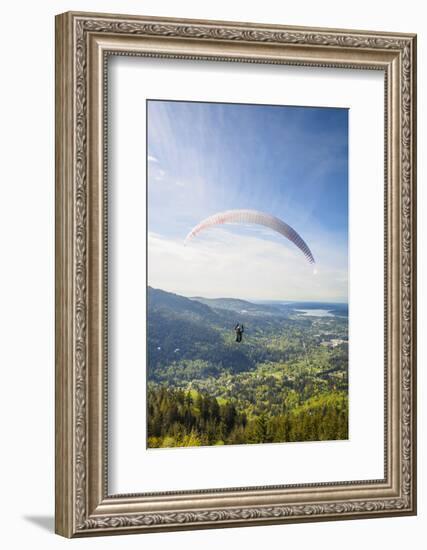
252	300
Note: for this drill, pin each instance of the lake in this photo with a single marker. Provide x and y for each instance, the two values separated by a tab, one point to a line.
315	312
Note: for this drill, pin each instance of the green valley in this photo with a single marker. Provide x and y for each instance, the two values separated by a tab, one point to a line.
286	381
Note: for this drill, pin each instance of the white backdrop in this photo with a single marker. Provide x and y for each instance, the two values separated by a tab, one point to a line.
362	456
26	289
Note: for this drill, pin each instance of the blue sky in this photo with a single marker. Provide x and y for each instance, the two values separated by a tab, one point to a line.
291	162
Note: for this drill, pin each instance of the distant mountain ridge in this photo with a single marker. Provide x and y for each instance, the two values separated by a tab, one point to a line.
160	299
239	306
215	309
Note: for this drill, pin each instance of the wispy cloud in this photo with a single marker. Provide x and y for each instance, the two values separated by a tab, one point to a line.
228	264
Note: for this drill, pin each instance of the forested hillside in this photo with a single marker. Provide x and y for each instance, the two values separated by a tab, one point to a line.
286	381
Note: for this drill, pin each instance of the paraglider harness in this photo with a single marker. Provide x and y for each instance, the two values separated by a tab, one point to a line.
239	331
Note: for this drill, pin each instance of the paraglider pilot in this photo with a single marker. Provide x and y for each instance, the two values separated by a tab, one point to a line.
239	329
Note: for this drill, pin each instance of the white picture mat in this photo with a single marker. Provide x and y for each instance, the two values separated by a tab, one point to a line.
132	467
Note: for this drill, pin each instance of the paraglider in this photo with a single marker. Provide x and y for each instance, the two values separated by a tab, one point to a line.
239	329
253	217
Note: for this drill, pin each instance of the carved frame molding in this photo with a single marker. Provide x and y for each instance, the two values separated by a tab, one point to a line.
83	43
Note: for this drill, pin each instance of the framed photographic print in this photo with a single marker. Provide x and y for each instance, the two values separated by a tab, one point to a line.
235	274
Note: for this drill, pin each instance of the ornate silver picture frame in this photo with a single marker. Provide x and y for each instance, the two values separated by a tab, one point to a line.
84	43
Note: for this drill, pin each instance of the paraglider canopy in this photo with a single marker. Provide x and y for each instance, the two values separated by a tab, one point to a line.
253	217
